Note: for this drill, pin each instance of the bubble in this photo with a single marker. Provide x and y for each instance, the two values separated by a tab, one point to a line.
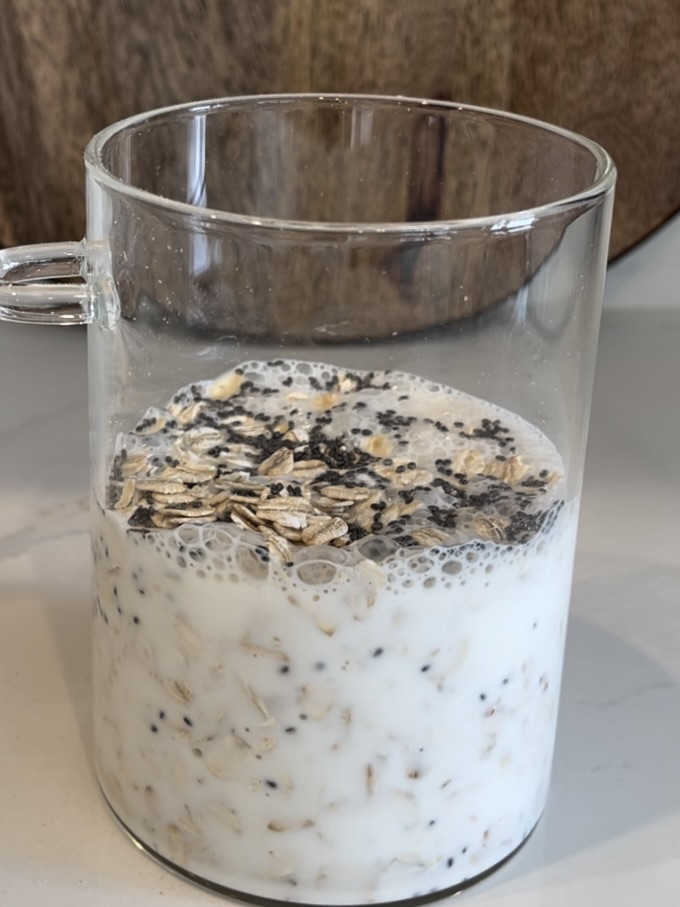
217	538
322	553
451	568
251	563
316	573
189	535
376	548
420	564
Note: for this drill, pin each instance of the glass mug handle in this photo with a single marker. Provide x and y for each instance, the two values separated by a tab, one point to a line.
28	293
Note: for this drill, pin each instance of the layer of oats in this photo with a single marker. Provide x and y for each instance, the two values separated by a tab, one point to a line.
307	454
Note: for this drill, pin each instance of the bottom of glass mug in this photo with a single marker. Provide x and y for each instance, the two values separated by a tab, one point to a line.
246	897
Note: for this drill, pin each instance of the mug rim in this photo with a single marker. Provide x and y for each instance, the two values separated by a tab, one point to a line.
516	221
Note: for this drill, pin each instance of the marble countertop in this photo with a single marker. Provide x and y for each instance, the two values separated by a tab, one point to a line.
612	831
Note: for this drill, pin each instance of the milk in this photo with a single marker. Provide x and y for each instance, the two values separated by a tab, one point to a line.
336	729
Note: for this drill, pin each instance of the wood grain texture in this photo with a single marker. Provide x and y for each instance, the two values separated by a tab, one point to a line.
610	70
607	68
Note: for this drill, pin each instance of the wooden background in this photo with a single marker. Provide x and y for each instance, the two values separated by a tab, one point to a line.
607	68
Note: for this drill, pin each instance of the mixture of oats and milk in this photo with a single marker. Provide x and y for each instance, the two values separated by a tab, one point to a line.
329	626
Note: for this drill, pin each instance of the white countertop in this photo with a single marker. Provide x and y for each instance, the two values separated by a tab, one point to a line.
612	831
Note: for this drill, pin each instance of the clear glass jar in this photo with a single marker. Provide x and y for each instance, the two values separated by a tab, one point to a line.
341	357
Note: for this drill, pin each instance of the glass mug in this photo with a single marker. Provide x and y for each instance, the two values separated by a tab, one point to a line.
341	353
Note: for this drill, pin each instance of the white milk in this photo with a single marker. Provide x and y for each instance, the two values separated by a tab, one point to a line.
331	730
